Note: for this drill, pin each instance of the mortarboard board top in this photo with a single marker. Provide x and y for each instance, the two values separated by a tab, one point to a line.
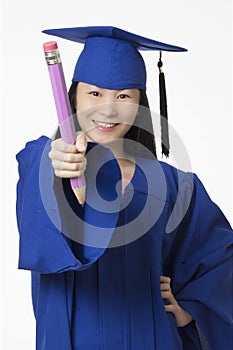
81	34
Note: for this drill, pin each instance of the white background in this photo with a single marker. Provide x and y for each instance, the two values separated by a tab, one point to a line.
199	89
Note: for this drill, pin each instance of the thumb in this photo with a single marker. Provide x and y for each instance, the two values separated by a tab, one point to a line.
81	142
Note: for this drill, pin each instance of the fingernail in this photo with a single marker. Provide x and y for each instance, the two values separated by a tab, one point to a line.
81	147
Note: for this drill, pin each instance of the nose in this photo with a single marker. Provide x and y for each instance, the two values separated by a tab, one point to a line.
108	109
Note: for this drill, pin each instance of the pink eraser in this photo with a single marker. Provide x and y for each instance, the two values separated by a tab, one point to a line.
50	46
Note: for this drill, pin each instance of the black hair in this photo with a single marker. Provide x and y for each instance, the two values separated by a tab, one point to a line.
141	131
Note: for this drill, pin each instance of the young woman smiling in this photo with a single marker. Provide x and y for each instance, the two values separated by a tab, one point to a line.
146	262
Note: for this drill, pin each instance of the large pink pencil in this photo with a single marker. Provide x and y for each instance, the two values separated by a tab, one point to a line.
64	112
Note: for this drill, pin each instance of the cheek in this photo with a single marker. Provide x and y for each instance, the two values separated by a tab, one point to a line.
83	120
82	102
128	113
81	105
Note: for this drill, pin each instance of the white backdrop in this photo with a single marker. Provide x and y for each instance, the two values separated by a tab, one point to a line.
199	89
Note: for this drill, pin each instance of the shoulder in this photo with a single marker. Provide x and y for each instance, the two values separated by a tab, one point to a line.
30	156
163	174
177	178
37	143
32	147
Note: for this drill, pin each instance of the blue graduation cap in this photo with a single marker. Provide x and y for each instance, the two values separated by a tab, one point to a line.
111	60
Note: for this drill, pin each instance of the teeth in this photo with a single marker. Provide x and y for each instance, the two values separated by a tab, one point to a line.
106	125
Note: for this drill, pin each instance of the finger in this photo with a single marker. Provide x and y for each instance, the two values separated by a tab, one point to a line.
170	308
165	279
166	294
68	174
81	142
74	158
67	166
55	154
62	146
169	297
165	286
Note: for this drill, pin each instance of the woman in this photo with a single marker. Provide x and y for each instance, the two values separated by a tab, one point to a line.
101	273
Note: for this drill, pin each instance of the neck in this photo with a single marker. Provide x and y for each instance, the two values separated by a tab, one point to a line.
117	148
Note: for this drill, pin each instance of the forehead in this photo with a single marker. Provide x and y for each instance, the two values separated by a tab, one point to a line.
86	86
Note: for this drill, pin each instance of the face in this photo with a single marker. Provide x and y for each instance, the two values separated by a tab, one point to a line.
105	115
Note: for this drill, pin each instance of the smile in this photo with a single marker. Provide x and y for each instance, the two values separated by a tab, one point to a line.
104	126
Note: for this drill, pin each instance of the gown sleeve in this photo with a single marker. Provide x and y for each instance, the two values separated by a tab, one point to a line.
191	338
198	258
42	246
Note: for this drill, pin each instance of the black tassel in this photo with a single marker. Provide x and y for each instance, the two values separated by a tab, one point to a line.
163	110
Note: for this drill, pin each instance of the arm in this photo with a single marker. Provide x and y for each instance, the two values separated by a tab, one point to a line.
198	259
43	247
182	317
186	325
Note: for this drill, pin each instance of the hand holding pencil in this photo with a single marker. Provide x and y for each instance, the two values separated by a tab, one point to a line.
68	160
64	112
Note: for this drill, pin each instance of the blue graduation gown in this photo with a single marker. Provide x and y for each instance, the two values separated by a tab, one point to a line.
96	269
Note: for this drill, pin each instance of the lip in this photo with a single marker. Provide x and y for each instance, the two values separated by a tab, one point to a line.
105	126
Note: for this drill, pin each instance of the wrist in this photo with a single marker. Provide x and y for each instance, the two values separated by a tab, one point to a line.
183	318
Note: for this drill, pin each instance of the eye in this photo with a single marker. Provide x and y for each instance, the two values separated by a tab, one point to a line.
94	93
122	96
